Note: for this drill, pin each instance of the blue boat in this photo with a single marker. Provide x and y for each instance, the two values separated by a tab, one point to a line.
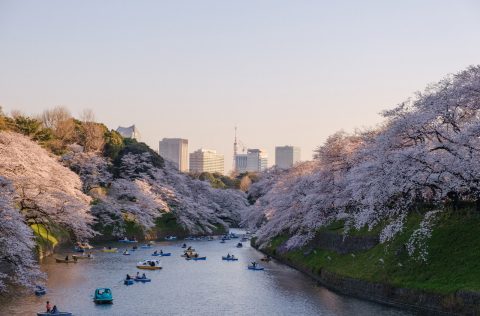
199	258
229	258
146	246
256	268
140	279
40	290
164	254
103	296
128	282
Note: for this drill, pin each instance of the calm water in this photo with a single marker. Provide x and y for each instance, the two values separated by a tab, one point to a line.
211	287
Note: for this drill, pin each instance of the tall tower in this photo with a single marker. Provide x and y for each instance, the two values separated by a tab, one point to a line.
235	151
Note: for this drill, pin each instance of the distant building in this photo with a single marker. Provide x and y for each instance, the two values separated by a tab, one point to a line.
129	132
241	163
206	160
257	160
286	156
176	151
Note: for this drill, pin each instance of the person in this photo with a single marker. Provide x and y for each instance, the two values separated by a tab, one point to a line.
48	307
254	264
66	258
161	251
228	255
109	247
144	276
196	255
155	252
128	276
187	255
189	248
54	309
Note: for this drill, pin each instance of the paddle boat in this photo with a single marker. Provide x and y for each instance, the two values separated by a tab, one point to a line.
229	258
109	249
126	253
40	290
239	245
103	296
149	265
171	238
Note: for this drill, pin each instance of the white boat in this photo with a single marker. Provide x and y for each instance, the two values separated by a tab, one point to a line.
150	264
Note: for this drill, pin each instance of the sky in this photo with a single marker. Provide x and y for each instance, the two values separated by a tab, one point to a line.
284	72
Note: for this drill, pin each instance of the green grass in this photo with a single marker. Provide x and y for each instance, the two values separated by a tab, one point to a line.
41	233
454	257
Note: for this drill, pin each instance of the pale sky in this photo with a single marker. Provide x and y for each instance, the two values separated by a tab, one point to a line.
286	72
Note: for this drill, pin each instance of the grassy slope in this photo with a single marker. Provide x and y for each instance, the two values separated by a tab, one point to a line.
454	258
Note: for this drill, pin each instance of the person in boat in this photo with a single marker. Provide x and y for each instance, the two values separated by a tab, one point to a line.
144	276
109	247
189	248
161	251
48	306
196	255
138	275
184	246
54	309
75	258
134	247
129	277
155	252
152	263
254	264
66	258
187	255
228	255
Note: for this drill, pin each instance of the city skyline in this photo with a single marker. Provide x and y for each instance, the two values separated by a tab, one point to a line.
185	70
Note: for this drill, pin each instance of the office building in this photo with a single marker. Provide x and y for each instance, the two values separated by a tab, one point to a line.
286	156
241	163
176	151
257	160
206	160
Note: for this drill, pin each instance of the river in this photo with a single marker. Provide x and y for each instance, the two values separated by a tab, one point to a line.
211	287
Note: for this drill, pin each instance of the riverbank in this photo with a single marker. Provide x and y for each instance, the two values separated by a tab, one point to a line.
448	284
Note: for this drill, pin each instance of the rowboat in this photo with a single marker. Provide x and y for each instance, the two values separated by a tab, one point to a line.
109	249
149	265
58	260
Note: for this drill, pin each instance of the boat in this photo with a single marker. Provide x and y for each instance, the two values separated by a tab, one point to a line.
109	249
146	246
54	314
103	296
257	267
197	258
162	254
141	279
126	253
40	290
189	254
171	238
229	258
239	245
266	259
89	256
78	249
184	246
126	240
232	235
128	281
58	260
149	265
244	239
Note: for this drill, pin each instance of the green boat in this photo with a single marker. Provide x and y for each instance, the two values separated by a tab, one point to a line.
103	296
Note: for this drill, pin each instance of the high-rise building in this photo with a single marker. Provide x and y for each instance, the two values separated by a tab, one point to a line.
257	160
241	163
286	156
176	151
206	160
129	132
